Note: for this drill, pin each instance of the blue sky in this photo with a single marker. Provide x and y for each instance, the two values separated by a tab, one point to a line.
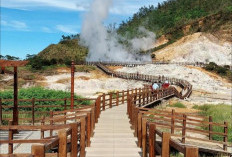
29	26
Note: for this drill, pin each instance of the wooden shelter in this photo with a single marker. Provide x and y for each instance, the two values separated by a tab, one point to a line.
15	64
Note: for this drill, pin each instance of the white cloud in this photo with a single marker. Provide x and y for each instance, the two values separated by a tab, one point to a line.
46	29
37	4
16	25
67	29
121	7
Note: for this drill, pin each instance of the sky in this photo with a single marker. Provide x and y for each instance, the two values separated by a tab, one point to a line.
29	26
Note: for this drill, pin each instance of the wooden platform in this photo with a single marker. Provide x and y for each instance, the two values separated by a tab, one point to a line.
113	135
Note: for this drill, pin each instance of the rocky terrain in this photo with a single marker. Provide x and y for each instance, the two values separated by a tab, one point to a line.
198	47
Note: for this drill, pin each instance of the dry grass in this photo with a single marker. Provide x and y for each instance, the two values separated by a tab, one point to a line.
63	70
63	81
115	67
97	74
83	78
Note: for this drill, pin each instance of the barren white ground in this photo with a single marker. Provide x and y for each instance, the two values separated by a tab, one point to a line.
87	85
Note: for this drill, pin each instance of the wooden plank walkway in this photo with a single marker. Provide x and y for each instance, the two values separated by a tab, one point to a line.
113	136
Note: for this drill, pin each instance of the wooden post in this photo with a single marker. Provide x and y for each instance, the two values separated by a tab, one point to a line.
11	136
110	100
123	95
72	84
65	104
117	98
144	137
88	129
82	141
15	109
210	127
127	93
33	110
92	122
173	122
42	131
140	130
51	123
104	101
191	152
0	111
95	111
128	105
225	139
139	97
152	139
99	106
74	139
2	70
165	144
143	94
62	134
38	150
184	128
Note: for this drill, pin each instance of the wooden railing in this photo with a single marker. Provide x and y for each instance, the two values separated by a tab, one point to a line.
186	86
35	109
179	125
70	138
85	116
164	147
139	63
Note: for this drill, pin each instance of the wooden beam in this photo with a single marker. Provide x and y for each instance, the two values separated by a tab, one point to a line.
191	152
165	144
7	63
38	150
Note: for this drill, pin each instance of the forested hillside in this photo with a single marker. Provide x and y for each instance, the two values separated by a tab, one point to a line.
172	14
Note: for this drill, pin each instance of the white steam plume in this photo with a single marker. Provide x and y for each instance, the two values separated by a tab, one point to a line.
104	46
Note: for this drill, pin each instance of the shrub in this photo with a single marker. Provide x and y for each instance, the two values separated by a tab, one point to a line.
220	113
178	105
153	56
223	71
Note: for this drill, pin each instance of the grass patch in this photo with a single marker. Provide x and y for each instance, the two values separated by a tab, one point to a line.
40	93
178	105
220	113
84	68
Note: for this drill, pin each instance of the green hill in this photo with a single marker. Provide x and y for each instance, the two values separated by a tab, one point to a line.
67	49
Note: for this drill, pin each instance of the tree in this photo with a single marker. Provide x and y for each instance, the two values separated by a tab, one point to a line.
9	57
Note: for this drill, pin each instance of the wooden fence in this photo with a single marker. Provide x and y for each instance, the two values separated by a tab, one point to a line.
178	125
35	109
186	86
134	64
85	117
70	140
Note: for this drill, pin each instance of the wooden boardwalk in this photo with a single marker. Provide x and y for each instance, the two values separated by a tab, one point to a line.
113	136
